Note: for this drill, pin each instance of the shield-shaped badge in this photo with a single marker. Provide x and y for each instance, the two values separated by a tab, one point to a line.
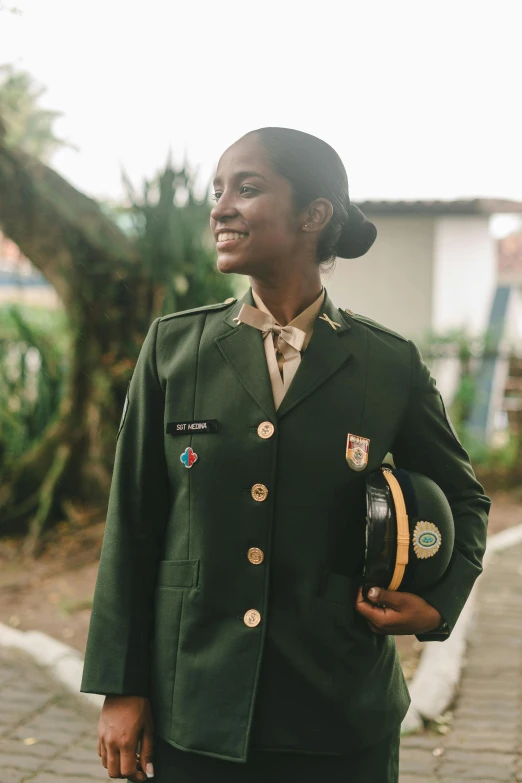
357	451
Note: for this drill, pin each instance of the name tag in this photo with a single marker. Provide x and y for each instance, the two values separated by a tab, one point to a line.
204	427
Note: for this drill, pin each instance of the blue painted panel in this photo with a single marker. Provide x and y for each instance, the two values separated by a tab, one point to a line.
480	413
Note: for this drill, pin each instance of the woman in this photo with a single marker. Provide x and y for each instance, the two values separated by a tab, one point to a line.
227	618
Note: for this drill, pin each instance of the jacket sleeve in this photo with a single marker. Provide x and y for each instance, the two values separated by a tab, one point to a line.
117	658
427	443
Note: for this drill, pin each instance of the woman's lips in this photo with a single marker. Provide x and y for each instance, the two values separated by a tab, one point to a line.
229	239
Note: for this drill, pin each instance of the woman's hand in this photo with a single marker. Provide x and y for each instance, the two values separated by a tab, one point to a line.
124	722
397	613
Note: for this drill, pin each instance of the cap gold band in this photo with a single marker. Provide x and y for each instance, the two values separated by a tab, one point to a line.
403	530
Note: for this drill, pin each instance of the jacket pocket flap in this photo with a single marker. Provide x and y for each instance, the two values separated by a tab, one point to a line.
178	573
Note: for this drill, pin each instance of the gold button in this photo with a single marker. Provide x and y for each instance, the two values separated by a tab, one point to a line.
259	492
350	312
256	555
266	429
252	618
229	300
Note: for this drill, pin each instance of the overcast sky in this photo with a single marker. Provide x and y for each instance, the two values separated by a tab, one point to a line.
420	99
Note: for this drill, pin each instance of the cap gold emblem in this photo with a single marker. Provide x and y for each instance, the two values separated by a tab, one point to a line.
427	539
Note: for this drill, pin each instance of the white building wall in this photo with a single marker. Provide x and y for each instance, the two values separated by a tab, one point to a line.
393	282
464	273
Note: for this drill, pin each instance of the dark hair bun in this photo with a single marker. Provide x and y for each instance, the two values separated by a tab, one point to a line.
357	235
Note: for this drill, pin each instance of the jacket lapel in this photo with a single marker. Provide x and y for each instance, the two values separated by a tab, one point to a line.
242	347
327	351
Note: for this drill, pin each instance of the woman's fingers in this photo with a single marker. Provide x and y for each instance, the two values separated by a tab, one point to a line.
378	615
139	777
122	722
102	752
147	752
113	762
396	613
121	762
130	765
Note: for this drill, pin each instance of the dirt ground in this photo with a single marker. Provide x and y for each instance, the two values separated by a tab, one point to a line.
54	592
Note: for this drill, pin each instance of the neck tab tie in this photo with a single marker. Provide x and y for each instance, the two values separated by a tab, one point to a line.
287	340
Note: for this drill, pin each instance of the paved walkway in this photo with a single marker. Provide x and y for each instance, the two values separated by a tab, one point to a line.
485	744
46	734
49	736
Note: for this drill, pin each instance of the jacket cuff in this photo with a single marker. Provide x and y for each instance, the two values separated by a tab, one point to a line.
439	634
102	674
449	595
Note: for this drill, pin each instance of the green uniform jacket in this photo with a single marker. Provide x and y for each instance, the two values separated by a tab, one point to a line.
175	580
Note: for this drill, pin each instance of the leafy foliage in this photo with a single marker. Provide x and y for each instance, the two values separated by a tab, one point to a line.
115	268
33	372
27	126
497	464
466	352
171	227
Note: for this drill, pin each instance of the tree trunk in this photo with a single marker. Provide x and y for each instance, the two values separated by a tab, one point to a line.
109	298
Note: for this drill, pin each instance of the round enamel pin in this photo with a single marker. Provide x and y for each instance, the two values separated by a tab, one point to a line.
427	539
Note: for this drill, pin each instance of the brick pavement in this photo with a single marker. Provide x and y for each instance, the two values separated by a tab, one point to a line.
49	736
46	734
485	743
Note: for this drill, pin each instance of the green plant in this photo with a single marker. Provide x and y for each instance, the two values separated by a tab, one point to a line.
28	126
460	346
115	268
170	225
33	370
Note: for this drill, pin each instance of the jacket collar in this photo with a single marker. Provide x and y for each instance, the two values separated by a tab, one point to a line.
328	350
243	349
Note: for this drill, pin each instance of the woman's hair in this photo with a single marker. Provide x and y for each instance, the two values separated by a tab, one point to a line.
315	170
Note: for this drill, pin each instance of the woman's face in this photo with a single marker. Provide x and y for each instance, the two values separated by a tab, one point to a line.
254	222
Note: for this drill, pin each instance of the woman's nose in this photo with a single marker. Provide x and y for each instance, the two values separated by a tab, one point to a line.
223	208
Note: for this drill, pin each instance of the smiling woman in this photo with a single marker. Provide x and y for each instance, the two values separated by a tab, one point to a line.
293	171
229	631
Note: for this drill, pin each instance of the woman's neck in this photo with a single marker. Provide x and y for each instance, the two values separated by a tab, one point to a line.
287	298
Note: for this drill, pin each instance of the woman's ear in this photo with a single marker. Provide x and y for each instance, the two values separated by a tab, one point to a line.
317	216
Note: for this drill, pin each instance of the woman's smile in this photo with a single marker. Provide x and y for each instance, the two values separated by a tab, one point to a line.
229	239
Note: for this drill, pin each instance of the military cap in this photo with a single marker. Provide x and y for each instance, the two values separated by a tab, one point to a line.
409	531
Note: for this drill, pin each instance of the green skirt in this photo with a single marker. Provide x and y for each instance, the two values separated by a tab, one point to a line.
378	763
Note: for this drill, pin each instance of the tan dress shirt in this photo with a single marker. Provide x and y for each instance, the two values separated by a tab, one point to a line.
275	360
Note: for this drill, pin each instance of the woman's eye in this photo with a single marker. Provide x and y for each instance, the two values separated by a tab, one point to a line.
215	196
247	190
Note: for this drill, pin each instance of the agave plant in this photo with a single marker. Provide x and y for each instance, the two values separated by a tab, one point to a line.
33	370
